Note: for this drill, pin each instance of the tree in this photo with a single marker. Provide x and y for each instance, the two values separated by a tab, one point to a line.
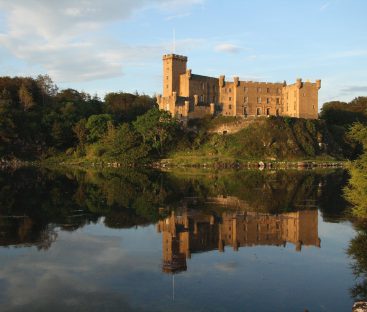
344	114
46	84
25	97
7	125
97	126
80	131
125	145
356	190
158	128
127	106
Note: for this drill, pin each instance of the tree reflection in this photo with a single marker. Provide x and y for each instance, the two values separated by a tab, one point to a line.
36	203
357	251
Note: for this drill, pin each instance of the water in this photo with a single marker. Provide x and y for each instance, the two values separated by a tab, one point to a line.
184	241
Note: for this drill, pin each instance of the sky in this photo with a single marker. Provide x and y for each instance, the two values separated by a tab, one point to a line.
117	45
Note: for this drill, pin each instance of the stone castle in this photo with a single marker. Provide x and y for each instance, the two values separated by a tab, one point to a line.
189	96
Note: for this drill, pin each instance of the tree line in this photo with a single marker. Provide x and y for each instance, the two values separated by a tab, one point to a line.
37	120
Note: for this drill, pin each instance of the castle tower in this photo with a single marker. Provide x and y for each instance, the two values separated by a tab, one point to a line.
173	66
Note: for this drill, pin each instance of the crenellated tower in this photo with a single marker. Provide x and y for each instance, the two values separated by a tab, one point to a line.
173	66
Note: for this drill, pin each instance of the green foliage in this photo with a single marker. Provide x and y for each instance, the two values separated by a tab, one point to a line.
356	191
125	145
274	138
80	131
158	129
341	113
97	126
126	106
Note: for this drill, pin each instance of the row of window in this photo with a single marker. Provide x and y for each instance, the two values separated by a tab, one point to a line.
259	100
259	90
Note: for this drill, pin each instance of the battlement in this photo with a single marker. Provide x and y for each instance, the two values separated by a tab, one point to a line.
175	56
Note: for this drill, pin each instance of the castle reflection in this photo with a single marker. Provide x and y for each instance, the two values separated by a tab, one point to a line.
191	231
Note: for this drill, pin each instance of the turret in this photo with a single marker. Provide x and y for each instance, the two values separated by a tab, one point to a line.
221	81
188	73
299	83
236	81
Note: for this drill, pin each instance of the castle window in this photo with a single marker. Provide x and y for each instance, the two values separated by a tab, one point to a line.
277	100
267	100
259	90
259	100
230	90
278	90
268	111
245	99
245	89
167	77
258	111
167	86
267	90
230	98
230	106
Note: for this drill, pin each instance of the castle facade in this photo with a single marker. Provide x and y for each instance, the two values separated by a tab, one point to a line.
189	96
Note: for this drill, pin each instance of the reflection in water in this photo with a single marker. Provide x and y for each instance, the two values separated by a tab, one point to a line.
21	231
357	251
194	213
191	231
33	203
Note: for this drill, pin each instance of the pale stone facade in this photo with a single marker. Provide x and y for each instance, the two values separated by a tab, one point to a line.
190	96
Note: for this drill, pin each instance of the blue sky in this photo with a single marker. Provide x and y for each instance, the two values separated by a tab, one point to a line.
115	45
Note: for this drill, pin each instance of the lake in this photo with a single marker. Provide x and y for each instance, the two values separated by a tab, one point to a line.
188	240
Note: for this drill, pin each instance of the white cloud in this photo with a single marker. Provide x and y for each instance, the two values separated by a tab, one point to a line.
227	47
68	39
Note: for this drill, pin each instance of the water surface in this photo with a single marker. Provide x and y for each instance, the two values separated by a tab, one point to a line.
184	241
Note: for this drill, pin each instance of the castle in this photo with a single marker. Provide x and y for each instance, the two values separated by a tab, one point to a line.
189	96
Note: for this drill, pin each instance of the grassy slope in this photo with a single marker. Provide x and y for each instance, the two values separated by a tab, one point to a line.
275	139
